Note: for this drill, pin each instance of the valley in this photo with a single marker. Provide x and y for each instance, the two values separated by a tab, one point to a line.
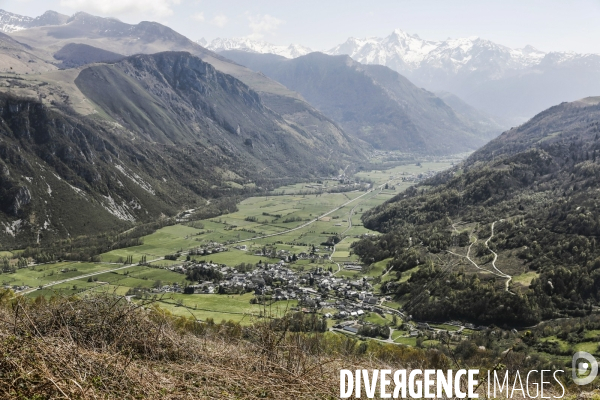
286	221
181	217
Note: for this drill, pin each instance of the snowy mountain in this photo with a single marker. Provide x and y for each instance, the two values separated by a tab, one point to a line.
10	22
407	53
511	83
254	46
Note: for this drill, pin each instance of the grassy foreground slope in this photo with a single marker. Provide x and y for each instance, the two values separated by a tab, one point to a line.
105	347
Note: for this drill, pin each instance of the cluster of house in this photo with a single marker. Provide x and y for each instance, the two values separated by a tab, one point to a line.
174	288
314	289
418	177
16	288
208	248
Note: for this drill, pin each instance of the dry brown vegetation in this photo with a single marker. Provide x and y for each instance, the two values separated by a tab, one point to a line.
103	347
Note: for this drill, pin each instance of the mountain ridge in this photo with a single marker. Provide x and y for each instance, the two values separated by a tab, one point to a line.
10	22
174	133
524	204
373	102
509	84
255	46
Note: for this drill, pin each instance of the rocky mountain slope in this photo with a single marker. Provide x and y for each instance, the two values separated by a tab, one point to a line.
171	133
528	201
375	103
151	37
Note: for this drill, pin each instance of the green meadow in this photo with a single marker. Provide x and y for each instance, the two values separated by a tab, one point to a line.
281	213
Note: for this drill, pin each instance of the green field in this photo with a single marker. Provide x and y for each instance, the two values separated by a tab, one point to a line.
444	326
44	274
285	209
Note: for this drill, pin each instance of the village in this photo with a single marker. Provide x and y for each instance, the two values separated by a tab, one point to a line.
345	301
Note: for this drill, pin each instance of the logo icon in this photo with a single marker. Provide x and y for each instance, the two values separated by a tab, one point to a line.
584	368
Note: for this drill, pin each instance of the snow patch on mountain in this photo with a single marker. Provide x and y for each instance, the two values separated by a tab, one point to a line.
135	178
255	46
10	22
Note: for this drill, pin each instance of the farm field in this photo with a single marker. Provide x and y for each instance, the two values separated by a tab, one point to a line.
44	274
289	214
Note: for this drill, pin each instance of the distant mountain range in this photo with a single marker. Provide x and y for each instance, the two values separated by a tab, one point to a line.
376	104
510	83
10	22
254	46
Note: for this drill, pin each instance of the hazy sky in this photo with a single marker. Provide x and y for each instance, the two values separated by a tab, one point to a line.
550	25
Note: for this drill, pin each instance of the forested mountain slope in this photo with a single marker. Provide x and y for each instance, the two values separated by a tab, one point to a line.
538	185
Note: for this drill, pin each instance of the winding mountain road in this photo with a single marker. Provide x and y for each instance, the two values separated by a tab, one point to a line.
496	270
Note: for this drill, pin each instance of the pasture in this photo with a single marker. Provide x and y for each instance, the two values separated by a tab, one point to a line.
286	216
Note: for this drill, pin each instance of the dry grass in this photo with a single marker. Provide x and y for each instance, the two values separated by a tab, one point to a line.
103	347
106	348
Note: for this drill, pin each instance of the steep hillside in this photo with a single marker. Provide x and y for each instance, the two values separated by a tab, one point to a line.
178	98
175	133
373	102
62	175
524	208
151	37
19	58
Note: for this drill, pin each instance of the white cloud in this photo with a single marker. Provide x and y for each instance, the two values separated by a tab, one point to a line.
198	17
262	25
220	20
158	8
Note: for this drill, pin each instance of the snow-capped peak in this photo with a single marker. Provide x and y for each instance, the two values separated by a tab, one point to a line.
10	22
406	53
255	46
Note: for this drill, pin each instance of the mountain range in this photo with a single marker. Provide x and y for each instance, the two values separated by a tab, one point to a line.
255	46
376	104
10	22
513	84
102	136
